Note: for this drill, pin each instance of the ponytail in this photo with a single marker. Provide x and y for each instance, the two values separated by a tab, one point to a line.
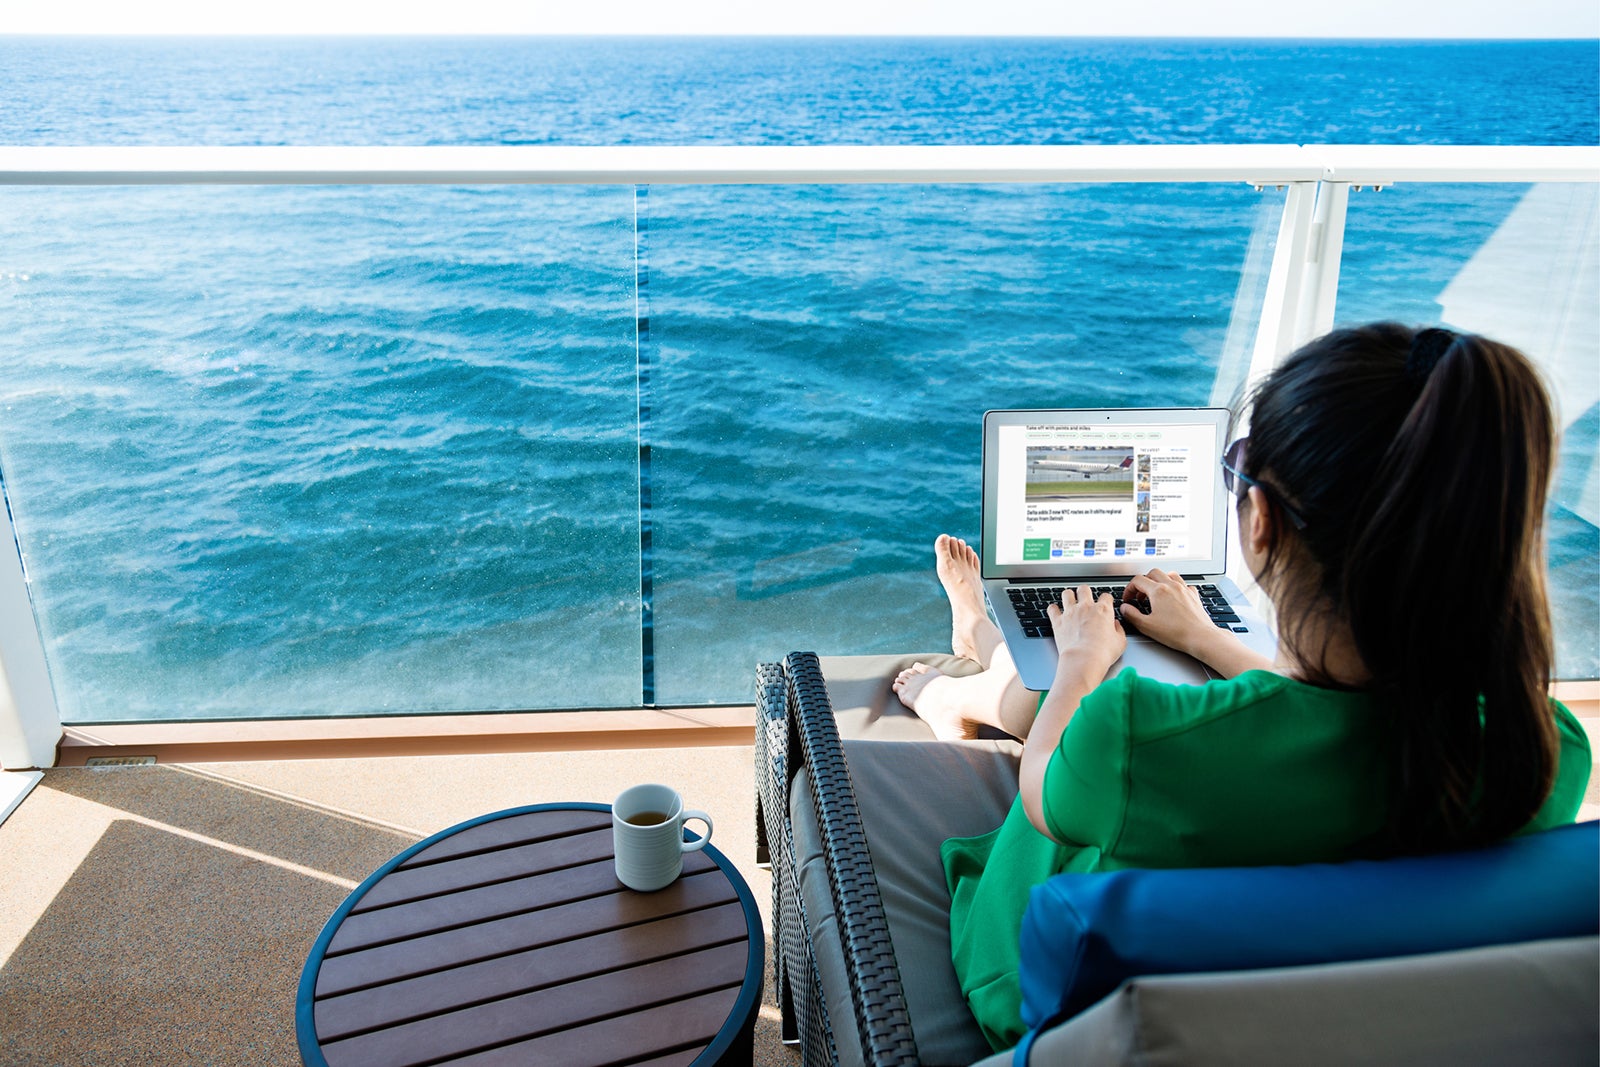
1421	461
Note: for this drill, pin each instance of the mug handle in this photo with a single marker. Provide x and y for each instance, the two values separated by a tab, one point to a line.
700	843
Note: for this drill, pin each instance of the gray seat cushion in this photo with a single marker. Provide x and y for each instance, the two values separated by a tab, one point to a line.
1533	1002
912	796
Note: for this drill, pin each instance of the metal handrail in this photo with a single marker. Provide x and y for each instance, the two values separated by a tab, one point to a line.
786	164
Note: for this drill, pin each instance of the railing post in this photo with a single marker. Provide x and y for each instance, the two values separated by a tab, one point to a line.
1286	282
30	724
1304	283
1302	288
1323	252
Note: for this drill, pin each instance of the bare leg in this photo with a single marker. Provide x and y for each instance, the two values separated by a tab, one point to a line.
973	635
956	707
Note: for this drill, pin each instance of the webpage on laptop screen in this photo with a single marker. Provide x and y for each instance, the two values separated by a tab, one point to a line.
1070	493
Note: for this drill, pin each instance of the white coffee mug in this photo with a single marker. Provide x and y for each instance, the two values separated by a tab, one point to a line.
647	835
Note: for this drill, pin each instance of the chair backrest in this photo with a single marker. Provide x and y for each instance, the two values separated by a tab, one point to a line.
1083	934
1531	1002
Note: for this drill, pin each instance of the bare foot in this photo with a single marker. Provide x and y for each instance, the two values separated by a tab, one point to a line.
957	565
919	688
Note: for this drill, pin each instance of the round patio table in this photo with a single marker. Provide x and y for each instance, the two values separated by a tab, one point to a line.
508	940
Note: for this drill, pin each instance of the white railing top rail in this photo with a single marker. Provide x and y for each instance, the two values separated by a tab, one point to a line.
826	164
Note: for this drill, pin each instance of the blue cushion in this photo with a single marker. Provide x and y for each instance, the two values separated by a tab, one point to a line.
1083	934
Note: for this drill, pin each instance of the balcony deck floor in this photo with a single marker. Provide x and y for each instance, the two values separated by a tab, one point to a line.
162	914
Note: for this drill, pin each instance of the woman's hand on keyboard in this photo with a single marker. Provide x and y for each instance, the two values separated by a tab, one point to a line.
1172	611
1088	635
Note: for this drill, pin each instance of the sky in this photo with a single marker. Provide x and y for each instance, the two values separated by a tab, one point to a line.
1068	18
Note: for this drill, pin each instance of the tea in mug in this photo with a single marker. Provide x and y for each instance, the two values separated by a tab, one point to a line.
648	818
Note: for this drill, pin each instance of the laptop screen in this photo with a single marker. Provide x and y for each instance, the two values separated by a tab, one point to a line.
1070	493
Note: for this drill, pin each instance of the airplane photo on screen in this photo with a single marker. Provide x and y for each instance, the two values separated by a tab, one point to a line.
1083	467
1080	473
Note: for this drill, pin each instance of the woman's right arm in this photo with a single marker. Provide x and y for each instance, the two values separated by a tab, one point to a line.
1088	641
1178	620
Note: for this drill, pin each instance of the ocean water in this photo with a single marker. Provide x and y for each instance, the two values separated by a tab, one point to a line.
327	450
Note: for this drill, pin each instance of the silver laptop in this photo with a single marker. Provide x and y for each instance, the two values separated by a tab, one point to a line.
1095	496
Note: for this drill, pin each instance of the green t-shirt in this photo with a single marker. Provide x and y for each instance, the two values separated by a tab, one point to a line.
1257	770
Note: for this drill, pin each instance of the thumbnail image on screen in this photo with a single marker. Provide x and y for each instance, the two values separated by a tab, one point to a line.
1079	473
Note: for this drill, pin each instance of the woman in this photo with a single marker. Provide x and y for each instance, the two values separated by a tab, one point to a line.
1390	503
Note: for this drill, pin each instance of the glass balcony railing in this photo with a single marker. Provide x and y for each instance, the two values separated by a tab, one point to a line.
302	451
367	448
821	357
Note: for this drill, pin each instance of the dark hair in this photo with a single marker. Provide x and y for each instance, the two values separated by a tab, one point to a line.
1420	461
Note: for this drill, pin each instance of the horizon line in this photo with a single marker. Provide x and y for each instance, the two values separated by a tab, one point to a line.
812	36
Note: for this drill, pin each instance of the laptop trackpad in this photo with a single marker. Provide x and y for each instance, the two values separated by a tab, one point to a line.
1155	660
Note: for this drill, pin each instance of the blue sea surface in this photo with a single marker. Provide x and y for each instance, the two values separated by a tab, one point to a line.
333	450
591	91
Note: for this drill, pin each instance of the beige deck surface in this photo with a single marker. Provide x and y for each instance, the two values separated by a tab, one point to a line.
161	915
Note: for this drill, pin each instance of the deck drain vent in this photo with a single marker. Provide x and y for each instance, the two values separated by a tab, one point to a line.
104	762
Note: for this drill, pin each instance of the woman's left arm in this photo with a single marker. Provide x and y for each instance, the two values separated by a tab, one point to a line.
1089	639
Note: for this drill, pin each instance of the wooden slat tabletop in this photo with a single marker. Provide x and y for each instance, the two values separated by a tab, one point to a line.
509	941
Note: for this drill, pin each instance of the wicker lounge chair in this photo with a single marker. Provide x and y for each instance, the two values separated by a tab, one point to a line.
848	996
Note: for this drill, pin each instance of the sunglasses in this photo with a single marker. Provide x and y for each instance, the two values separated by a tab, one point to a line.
1238	484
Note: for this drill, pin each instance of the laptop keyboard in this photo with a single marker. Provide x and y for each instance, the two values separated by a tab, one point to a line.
1030	601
